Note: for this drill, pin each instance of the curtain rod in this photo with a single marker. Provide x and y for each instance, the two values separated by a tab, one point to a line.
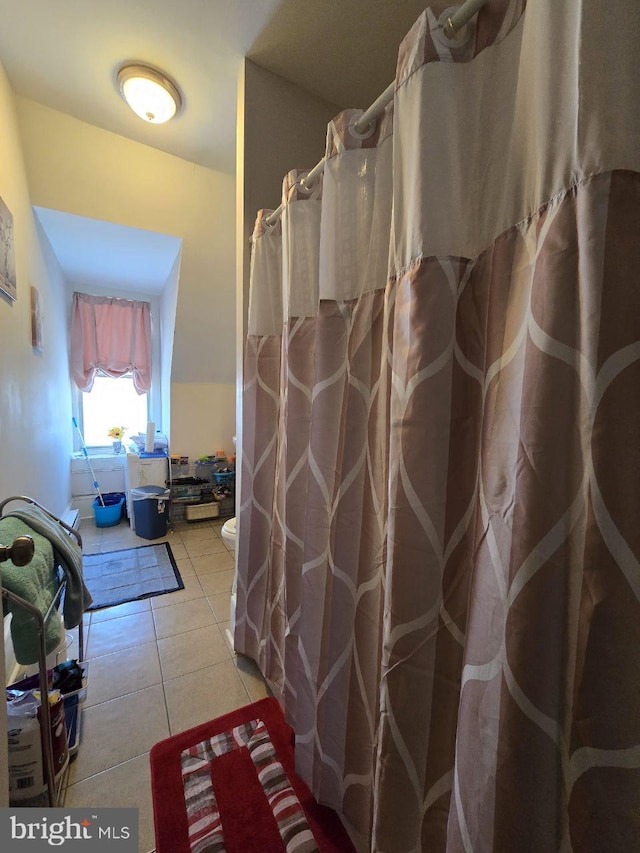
451	26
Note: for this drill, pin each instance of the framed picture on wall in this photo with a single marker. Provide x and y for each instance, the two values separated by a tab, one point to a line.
36	320
7	256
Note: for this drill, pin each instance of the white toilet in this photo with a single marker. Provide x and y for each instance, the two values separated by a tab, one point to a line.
229	533
229	527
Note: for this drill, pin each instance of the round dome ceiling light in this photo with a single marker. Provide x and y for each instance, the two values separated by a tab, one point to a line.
149	93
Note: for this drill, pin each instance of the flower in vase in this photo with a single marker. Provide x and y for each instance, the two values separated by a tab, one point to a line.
116	433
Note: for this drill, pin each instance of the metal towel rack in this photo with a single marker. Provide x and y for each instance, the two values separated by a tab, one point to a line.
23	549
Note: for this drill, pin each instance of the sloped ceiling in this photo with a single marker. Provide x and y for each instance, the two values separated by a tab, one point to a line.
344	51
108	255
65	55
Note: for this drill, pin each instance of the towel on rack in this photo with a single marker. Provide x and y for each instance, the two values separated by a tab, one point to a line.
37	583
68	556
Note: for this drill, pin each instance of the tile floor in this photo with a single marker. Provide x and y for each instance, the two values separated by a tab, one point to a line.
156	667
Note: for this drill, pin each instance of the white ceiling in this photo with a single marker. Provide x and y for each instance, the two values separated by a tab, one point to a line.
65	55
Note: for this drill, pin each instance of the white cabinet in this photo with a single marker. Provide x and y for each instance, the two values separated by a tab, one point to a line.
143	472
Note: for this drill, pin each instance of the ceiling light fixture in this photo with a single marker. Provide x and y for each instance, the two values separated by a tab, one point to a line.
149	93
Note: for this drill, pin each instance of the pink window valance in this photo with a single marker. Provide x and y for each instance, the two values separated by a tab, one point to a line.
112	337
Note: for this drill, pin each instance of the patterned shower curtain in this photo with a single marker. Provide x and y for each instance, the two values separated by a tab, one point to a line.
310	602
261	406
339	609
499	609
301	241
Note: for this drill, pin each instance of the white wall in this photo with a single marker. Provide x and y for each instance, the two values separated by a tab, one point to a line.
78	168
35	400
168	302
211	426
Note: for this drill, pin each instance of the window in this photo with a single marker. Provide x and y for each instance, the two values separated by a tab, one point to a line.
110	337
110	403
110	362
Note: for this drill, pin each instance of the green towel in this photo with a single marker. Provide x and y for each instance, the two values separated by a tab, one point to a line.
37	582
68	556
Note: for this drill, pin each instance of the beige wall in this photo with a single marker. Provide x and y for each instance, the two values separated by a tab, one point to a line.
78	168
280	127
211	424
35	397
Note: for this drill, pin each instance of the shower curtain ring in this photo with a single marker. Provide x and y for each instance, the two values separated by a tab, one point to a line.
455	38
264	222
368	131
303	187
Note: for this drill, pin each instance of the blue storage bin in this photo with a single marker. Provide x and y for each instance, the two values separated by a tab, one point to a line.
223	476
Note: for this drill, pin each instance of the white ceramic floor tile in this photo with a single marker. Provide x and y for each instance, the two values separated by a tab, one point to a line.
201	547
123	672
190	651
126	609
221	603
118	543
178	618
200	696
118	730
116	634
127	785
185	567
192	589
200	544
210	563
178	550
252	678
217	582
174	537
124	657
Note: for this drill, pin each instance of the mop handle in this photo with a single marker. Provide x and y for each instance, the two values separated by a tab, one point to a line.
86	456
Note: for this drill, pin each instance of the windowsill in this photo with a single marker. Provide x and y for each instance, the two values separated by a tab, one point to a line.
98	453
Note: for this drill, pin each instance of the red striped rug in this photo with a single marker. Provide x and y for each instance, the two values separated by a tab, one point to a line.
230	786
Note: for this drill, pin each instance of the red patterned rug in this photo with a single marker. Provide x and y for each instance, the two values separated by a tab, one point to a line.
229	786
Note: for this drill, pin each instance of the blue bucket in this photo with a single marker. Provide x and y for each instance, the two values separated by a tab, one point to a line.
110	514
